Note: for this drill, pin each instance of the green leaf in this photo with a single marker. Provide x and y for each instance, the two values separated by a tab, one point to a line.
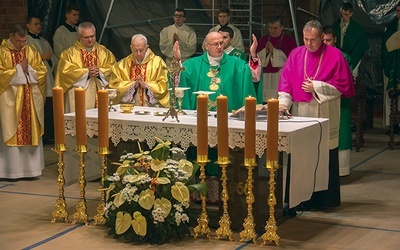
201	187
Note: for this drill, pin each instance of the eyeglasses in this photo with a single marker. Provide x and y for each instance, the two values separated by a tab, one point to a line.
221	44
179	16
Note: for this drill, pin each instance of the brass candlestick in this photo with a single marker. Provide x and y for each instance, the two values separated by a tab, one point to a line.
202	227
60	211
99	217
174	70
249	231
271	228
81	214
224	229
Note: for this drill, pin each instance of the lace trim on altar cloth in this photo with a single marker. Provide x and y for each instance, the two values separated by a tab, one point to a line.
184	137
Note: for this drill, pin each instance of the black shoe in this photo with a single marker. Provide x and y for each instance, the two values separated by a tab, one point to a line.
289	212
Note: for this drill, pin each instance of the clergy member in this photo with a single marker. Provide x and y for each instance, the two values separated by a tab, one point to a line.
181	32
224	16
273	50
351	37
217	72
141	78
50	60
227	34
314	91
22	96
87	64
66	35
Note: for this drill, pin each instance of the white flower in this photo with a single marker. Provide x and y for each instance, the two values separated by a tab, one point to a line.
178	207
185	218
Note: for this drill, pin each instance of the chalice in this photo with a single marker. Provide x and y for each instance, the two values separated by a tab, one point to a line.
112	93
180	93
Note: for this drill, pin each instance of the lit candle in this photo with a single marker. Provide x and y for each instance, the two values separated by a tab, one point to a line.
272	129
202	125
80	116
250	128
58	111
222	126
103	117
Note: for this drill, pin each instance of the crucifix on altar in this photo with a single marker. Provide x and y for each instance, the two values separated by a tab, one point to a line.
174	70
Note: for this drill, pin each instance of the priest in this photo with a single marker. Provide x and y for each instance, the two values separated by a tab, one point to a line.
87	64
141	77
22	96
220	73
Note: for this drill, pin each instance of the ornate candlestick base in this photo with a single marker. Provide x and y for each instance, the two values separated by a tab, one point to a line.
249	231
270	227
99	217
81	214
60	211
171	112
202	227
224	229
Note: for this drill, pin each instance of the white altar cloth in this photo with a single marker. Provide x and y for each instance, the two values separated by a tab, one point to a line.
306	139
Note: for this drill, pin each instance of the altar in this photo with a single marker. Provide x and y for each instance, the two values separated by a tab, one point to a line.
305	139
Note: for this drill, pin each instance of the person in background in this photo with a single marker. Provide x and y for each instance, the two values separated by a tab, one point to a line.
273	50
314	90
141	77
345	137
391	63
50	60
22	96
216	71
224	21
87	64
351	37
227	35
66	35
224	75
181	32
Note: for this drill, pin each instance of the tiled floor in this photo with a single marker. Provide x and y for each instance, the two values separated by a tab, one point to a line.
367	219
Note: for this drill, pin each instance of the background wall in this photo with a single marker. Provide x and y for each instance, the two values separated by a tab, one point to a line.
11	12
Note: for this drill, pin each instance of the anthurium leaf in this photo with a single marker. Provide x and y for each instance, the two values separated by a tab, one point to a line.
123	222
180	192
163	180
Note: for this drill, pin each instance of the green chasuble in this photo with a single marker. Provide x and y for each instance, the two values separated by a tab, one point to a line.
345	139
235	83
232	78
238	53
391	60
355	43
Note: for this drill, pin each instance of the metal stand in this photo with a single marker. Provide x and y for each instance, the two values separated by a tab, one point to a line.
174	70
249	231
99	217
271	228
81	214
202	227
224	229
60	211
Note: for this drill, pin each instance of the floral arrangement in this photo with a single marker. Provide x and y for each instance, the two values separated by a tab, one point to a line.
148	197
